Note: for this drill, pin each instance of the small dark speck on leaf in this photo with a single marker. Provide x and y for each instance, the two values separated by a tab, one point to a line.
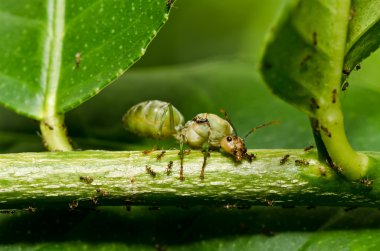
334	93
314	103
315	41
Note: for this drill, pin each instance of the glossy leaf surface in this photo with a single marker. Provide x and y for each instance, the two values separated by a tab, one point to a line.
55	54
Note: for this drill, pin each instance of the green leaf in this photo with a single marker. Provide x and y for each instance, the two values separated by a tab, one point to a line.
57	54
303	64
363	32
304	57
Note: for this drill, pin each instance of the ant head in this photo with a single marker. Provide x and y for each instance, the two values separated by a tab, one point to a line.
235	146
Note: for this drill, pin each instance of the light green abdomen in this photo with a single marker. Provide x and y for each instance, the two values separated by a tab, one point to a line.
152	119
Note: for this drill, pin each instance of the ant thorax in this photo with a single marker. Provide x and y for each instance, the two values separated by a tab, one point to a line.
205	128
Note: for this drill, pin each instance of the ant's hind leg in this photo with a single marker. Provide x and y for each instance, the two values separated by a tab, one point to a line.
206	154
181	154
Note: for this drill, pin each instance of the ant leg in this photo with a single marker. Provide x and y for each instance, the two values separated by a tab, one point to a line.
250	157
154	148
206	154
181	154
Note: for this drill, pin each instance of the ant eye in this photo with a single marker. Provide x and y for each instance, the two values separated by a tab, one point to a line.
229	139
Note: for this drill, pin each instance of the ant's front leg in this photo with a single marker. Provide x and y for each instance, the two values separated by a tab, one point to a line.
250	157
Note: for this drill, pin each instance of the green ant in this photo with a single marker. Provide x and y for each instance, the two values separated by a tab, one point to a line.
206	131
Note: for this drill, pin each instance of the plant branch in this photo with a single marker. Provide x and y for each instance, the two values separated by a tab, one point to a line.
329	127
119	178
54	134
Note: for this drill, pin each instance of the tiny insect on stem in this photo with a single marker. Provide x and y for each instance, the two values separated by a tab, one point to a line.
160	155
150	171
308	148
168	169
86	179
284	159
299	162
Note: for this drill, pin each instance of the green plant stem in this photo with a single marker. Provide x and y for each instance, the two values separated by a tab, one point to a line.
119	178
329	126
54	134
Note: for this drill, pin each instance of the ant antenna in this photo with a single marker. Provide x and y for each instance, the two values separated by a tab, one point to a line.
275	122
229	121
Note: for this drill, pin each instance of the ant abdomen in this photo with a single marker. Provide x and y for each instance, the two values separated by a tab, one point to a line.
153	118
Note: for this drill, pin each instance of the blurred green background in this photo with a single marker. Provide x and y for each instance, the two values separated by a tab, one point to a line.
206	58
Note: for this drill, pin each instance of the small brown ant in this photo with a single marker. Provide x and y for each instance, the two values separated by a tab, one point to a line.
31	209
345	85
168	169
159	156
150	171
229	206
366	182
305	60
86	179
346	72
269	202
299	162
308	148
101	192
169	4
51	128
334	92
326	131
314	103
284	159
73	205
94	200
146	152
